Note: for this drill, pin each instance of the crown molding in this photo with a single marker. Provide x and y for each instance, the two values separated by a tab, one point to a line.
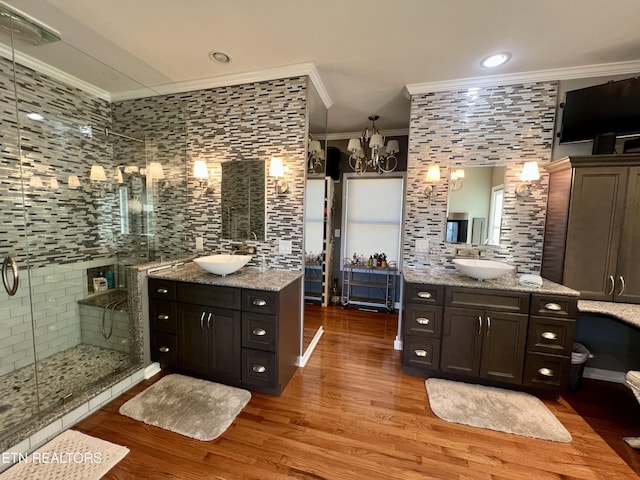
571	73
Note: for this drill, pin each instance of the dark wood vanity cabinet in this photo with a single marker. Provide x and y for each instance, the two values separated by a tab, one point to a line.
592	235
242	337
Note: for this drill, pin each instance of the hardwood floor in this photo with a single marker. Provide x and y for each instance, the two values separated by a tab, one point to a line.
351	414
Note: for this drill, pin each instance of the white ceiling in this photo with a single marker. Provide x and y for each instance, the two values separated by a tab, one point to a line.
365	52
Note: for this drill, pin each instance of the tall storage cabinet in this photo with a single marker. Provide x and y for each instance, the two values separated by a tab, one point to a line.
592	237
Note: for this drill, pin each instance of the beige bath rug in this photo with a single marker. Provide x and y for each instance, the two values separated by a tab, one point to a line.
189	406
495	409
70	456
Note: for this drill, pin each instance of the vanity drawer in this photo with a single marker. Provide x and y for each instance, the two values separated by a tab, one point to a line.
423	293
259	301
421	352
550	335
259	331
163	316
164	348
423	320
554	306
162	289
259	368
210	295
544	370
494	300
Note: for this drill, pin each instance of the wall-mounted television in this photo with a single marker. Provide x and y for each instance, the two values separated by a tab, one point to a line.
612	108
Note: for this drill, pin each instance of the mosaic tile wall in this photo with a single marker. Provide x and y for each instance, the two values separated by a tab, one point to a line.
480	126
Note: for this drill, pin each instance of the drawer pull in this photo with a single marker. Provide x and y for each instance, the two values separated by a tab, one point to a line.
259	369
163	349
258	302
423	321
549	335
260	332
554	307
545	372
424	294
163	316
420	353
162	291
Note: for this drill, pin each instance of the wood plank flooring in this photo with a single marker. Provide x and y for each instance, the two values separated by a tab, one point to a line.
350	414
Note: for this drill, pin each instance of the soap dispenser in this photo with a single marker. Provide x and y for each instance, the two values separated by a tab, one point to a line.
263	264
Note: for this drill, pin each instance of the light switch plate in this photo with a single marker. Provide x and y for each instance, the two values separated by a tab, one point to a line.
422	245
199	243
284	247
336	233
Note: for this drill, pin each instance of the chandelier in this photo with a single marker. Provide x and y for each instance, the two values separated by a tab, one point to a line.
378	157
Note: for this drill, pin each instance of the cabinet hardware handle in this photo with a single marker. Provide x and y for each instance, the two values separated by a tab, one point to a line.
209	321
162	291
163	316
423	321
545	372
260	332
621	285
488	324
259	369
424	294
420	353
9	261
164	349
202	319
258	302
554	307
613	285
549	335
479	324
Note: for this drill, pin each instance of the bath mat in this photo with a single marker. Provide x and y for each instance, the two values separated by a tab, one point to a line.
495	409
189	406
71	455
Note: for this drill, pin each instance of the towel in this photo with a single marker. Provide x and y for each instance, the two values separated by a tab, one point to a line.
527	280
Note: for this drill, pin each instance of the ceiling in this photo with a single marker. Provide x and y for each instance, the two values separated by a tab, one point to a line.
365	52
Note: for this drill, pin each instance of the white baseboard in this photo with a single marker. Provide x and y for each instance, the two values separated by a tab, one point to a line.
606	375
302	360
151	370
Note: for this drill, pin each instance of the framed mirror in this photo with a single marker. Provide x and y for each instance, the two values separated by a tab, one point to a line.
474	209
243	194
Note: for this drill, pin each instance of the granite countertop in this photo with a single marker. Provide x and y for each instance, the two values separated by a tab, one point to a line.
625	312
246	277
453	278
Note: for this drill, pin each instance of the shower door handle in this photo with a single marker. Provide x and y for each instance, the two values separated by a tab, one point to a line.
9	260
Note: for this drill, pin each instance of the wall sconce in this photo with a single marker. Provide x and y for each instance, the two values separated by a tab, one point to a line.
276	170
35	182
155	171
97	174
73	181
201	172
117	176
530	173
53	183
457	174
432	176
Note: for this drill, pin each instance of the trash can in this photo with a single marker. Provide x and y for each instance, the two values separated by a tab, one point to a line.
579	357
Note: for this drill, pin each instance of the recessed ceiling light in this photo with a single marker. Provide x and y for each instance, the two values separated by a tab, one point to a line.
495	60
219	57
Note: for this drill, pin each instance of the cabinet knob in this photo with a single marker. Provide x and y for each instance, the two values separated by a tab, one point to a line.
423	321
259	302
424	294
260	332
162	291
549	335
163	316
554	307
420	353
259	369
163	349
545	372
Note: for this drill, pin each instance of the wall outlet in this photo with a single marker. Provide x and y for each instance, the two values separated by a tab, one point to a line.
422	245
336	233
284	247
199	243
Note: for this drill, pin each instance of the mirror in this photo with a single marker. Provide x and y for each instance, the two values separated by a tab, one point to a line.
243	200
474	210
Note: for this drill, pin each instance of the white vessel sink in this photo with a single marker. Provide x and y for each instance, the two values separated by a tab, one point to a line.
222	264
482	269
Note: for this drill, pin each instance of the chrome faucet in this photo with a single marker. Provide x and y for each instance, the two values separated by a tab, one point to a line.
243	249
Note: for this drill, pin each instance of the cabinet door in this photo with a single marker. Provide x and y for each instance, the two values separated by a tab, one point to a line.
503	346
595	219
224	345
461	341
193	339
629	256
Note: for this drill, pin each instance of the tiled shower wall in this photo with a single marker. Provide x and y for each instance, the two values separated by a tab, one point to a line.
497	125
